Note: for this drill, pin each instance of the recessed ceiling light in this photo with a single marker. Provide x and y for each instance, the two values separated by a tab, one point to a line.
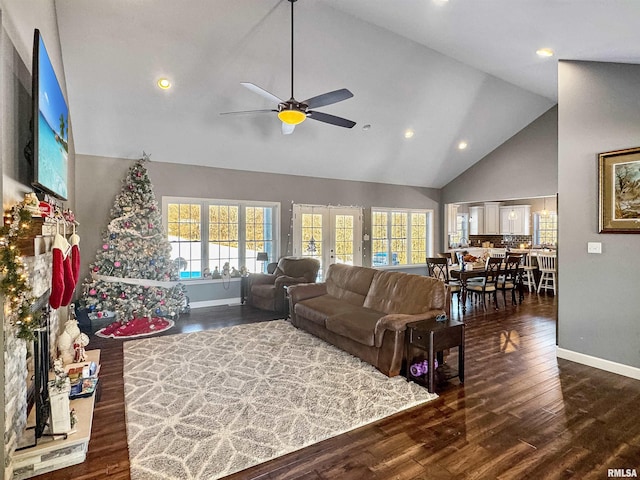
408	133
544	52
164	83
462	145
366	127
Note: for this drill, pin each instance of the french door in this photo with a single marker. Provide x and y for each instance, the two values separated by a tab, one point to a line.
330	234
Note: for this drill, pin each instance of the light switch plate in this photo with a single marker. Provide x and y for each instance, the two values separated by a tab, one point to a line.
594	247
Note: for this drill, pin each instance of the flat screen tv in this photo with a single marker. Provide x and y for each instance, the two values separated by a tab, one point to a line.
50	125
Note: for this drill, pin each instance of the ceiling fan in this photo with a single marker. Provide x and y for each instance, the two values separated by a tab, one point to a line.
292	112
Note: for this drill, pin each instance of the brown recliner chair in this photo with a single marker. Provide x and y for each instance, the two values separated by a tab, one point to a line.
266	290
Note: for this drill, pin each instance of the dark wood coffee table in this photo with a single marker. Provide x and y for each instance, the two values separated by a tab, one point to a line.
432	337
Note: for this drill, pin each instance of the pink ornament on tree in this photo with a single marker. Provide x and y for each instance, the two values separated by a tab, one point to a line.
92	291
105	246
116	264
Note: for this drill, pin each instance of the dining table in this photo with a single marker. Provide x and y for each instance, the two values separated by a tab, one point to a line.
475	271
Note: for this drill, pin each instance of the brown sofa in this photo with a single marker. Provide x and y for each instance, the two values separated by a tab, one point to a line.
266	290
365	311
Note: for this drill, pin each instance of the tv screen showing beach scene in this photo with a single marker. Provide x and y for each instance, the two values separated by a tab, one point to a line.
51	130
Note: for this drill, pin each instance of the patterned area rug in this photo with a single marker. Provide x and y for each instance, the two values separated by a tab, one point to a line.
204	405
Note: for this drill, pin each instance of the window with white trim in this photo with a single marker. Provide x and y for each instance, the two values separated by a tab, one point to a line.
462	230
234	233
400	236
545	229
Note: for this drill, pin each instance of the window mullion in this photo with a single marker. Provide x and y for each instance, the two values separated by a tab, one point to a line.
242	234
389	238
204	236
409	241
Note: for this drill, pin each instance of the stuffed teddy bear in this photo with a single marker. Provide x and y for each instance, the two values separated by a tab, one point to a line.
66	341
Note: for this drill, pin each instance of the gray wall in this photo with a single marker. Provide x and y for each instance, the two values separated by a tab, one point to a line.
18	20
524	166
98	180
598	300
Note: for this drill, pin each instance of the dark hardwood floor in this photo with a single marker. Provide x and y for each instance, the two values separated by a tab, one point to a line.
521	413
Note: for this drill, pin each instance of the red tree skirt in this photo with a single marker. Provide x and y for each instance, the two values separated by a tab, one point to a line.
138	327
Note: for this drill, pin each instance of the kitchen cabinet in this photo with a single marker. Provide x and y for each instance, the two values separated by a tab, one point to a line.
476	220
514	220
491	218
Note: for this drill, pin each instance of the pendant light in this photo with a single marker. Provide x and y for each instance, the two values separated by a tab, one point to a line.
544	211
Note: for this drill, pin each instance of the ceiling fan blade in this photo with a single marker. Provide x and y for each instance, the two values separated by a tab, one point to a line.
244	112
332	119
262	92
287	129
328	98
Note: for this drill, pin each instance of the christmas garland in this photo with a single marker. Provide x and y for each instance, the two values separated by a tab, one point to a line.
14	282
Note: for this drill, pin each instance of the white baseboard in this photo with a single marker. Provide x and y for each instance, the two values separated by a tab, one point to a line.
215	303
601	363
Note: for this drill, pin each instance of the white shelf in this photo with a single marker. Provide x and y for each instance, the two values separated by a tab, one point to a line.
53	453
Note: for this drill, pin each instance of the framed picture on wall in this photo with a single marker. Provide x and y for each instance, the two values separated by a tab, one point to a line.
619	191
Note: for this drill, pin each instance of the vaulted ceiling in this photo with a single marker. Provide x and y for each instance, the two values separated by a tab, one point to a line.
450	71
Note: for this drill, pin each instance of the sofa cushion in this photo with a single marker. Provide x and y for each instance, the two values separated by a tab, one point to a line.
318	309
397	292
349	283
358	325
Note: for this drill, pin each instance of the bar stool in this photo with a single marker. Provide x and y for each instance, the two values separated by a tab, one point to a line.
547	266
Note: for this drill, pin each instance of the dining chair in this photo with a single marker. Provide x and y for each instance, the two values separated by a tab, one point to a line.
520	282
439	268
547	266
497	252
488	283
446	255
508	278
528	278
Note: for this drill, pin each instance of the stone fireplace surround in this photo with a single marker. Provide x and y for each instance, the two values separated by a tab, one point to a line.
39	269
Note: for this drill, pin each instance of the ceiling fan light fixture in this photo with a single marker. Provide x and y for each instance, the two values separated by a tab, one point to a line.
292	117
293	112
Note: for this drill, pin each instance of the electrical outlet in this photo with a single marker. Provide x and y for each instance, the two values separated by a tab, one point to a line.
594	247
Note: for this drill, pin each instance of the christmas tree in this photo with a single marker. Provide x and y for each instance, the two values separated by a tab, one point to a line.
133	274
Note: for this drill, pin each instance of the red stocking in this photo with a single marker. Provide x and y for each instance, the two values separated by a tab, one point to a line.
75	256
59	250
69	281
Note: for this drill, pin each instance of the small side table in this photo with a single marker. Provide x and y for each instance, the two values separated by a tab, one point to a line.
433	337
